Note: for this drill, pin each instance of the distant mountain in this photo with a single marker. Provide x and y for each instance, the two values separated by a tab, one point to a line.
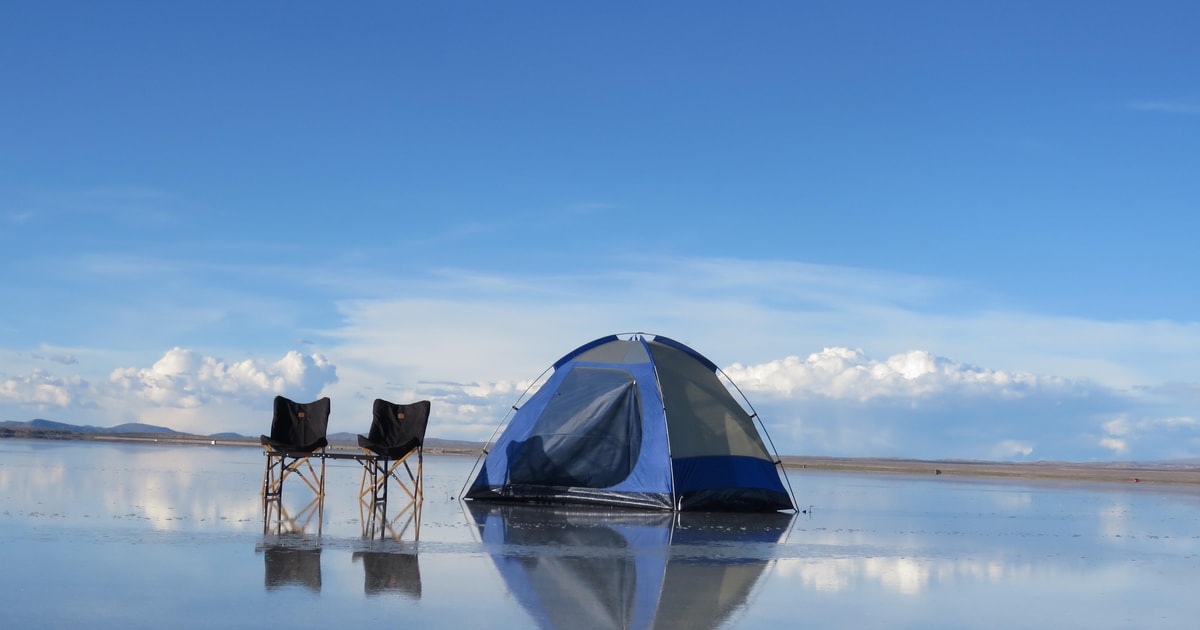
453	444
51	425
343	438
138	427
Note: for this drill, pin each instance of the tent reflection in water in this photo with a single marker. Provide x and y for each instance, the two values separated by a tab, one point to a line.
572	567
634	422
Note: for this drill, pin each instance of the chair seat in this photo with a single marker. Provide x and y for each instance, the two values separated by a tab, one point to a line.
284	447
390	452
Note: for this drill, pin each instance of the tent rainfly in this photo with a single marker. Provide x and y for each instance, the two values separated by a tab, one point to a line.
633	422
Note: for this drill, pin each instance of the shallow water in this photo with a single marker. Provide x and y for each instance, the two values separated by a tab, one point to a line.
130	535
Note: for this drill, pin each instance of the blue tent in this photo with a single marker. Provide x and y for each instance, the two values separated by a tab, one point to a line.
633	422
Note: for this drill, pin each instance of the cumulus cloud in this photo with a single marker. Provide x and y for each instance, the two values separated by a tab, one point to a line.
466	411
842	373
184	378
43	388
1122	433
840	401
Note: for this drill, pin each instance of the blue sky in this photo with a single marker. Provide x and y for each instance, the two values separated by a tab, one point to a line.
940	229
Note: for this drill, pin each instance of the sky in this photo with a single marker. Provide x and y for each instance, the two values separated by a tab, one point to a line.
923	229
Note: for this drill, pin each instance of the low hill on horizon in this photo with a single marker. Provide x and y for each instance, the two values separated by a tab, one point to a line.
41	426
51	425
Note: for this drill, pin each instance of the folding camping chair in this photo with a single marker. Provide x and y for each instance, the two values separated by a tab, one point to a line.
397	433
297	434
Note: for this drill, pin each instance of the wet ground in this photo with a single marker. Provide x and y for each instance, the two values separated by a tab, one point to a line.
126	535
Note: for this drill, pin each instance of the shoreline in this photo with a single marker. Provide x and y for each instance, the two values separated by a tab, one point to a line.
1119	472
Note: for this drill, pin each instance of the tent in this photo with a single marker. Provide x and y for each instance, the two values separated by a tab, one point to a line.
572	567
638	422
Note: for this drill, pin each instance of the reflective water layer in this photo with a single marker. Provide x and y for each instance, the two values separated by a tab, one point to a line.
152	535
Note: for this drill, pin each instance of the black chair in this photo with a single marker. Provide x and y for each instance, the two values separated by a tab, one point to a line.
298	427
396	430
297	434
397	434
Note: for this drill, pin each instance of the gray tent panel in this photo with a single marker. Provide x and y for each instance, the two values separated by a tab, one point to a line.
589	436
703	419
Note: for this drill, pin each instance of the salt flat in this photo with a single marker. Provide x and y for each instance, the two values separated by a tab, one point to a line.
135	535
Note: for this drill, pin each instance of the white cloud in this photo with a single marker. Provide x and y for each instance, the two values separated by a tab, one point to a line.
467	325
44	389
466	340
1171	435
1117	446
842	373
474	327
1010	449
837	401
183	378
183	390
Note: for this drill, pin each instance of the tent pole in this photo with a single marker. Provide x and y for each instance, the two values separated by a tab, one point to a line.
462	493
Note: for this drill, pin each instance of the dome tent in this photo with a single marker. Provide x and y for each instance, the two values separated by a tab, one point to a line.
636	422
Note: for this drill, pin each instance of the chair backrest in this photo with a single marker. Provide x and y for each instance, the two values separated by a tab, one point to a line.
399	426
301	425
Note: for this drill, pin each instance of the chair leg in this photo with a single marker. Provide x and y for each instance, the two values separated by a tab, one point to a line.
272	492
279	468
374	494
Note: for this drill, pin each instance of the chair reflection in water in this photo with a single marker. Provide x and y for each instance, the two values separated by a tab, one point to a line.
397	434
292	566
387	573
297	436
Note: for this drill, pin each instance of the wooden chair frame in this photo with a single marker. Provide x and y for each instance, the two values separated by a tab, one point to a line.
378	472
280	466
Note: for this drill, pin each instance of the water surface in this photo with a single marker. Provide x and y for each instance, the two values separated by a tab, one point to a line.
134	535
